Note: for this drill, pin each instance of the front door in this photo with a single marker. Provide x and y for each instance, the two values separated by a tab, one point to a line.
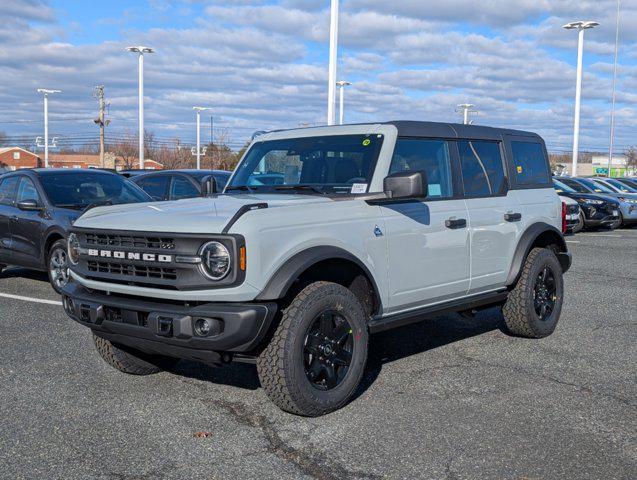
428	240
26	229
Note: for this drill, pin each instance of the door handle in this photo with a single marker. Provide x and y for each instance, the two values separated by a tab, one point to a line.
513	217
454	223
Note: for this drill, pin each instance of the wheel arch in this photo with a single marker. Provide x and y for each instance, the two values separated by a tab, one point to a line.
540	235
50	238
326	263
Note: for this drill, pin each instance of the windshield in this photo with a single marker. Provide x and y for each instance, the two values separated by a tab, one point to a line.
595	186
561	187
575	185
323	164
622	187
80	189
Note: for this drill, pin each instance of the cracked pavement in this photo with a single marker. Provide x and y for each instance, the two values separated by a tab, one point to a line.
450	398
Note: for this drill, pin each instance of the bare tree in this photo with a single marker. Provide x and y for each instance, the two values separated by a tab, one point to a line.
631	158
126	151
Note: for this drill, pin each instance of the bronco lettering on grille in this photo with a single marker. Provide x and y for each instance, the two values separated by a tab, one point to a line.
147	257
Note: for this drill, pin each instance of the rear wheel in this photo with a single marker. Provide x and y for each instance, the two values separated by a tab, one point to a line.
316	357
131	361
58	265
534	305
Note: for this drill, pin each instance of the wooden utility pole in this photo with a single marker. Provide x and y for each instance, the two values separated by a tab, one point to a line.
98	92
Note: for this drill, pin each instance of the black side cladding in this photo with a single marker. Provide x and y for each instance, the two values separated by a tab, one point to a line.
240	212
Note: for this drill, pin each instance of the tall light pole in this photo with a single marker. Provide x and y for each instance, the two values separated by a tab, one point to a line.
198	153
580	26
613	94
331	89
46	92
141	50
465	108
341	90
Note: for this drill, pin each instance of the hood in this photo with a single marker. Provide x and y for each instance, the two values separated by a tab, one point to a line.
194	215
593	196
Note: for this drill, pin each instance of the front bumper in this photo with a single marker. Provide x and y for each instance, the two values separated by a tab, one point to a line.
167	328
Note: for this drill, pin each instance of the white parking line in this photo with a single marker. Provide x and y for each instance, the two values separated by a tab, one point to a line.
30	299
572	241
600	235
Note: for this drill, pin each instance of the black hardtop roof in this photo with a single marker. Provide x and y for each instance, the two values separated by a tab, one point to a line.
415	128
409	128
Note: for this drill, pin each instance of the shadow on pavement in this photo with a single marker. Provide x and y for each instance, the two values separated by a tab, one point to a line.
385	348
18	272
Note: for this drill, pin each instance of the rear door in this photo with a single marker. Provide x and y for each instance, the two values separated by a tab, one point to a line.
428	239
495	215
8	187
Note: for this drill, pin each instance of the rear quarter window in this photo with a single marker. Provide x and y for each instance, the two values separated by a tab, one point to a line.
529	163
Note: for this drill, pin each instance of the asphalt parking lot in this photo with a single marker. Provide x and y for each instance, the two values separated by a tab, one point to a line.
447	398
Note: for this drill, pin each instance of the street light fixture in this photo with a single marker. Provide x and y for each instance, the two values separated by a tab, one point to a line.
341	88
198	152
141	51
580	26
46	92
465	108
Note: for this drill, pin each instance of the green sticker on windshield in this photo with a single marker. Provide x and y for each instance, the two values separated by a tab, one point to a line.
366	142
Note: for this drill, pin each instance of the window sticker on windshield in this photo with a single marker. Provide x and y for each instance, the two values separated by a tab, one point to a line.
434	189
366	142
519	169
359	188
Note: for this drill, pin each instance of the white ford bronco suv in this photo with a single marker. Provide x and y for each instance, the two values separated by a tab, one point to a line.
322	237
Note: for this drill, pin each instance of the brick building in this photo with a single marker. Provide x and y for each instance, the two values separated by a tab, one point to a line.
15	158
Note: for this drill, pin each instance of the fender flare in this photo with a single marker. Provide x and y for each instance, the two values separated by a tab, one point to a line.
279	284
45	239
527	240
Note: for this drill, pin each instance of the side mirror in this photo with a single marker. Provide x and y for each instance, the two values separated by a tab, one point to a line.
406	185
209	185
29	205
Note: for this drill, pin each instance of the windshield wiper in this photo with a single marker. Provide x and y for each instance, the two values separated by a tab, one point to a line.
244	188
73	206
98	204
301	188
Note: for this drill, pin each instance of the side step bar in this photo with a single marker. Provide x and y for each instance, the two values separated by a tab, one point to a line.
387	322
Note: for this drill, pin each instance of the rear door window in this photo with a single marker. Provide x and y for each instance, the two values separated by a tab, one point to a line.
531	167
430	156
156	186
482	168
7	190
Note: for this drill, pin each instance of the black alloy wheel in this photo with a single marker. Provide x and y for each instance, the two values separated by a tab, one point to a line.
545	293
327	351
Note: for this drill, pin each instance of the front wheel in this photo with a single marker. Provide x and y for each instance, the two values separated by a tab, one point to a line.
58	266
617	223
580	224
317	355
534	305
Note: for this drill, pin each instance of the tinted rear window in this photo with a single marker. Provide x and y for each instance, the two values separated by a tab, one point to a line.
531	167
482	169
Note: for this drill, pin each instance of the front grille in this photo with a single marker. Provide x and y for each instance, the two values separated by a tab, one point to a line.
137	271
114	240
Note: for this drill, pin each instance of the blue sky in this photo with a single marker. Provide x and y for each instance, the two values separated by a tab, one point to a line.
262	65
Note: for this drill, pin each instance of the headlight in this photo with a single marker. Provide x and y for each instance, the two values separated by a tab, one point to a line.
73	249
215	260
590	201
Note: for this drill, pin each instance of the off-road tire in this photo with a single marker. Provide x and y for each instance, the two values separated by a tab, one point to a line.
131	361
519	313
280	365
